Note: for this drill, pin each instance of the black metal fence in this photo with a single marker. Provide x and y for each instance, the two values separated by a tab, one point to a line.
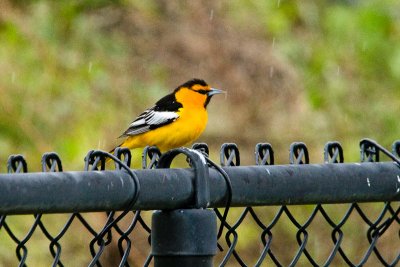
301	214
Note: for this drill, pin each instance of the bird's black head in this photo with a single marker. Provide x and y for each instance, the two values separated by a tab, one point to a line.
191	83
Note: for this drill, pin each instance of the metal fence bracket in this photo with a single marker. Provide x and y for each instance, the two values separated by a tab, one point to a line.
186	237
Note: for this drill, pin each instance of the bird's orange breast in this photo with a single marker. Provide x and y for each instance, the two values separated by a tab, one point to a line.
186	129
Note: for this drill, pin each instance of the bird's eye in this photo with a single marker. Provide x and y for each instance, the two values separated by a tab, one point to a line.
202	91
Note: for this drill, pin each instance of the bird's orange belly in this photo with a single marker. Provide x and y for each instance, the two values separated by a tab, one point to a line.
186	129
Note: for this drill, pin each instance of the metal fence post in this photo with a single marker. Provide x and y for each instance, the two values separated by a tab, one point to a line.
186	237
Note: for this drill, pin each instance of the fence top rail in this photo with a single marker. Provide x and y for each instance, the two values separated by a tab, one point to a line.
84	191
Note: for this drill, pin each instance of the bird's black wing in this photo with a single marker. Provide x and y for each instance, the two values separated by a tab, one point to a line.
163	113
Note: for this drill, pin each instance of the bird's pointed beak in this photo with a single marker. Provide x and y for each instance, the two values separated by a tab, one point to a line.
214	91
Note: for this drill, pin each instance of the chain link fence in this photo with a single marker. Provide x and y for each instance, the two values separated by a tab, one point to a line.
305	224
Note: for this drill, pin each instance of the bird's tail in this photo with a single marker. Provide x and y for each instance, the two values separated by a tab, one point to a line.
112	152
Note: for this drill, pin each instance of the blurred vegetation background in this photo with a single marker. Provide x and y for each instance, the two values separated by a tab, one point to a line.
74	74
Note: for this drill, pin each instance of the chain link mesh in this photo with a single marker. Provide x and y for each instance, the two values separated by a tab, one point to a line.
353	234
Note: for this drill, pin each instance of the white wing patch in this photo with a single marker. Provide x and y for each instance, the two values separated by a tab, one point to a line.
150	119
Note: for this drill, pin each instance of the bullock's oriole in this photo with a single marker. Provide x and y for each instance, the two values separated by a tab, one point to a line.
175	120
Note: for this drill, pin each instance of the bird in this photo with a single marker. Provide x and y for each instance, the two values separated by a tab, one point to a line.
175	120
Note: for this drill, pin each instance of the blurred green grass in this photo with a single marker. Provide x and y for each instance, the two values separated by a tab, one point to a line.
74	74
